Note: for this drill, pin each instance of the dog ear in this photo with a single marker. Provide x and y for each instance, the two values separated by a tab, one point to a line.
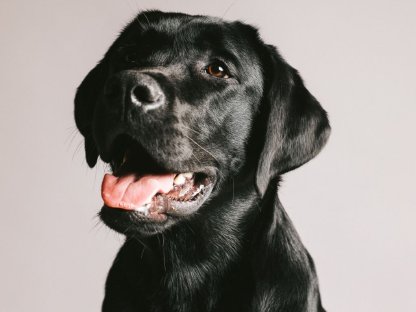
297	126
85	102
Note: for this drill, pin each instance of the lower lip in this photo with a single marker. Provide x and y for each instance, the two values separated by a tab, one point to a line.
178	208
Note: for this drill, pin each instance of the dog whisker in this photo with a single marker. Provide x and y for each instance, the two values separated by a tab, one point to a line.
204	149
228	8
196	143
145	16
232	201
77	149
195	157
189	128
72	134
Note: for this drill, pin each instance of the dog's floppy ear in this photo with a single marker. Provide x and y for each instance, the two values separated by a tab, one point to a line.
297	126
85	102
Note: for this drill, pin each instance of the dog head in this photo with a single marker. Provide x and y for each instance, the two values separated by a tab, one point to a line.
181	104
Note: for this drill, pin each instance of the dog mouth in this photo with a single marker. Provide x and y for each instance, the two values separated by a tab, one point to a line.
140	185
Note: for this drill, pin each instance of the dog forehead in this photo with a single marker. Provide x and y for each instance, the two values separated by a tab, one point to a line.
181	27
183	35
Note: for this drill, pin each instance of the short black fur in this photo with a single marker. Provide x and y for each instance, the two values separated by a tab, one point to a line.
239	251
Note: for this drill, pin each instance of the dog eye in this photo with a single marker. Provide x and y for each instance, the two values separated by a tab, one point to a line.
128	54
218	70
131	57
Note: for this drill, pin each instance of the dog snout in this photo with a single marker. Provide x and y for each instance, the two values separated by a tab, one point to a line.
135	90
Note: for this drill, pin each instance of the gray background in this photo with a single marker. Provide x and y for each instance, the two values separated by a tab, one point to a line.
354	205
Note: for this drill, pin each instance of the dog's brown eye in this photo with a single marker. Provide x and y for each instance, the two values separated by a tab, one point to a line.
218	70
131	57
128	54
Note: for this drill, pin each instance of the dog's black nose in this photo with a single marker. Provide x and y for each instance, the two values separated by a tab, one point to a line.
134	90
146	92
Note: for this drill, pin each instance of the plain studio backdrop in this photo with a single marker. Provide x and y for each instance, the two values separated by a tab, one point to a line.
354	205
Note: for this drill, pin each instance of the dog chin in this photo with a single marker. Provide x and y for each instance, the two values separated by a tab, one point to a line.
131	223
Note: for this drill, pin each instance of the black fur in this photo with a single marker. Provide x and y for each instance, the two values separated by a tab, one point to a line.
239	251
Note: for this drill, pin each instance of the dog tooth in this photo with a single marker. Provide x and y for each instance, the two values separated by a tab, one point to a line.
124	158
180	179
184	191
143	209
197	191
107	168
188	175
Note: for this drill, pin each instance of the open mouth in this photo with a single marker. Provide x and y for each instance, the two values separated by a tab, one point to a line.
138	184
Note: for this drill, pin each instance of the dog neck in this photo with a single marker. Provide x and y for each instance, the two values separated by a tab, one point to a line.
184	266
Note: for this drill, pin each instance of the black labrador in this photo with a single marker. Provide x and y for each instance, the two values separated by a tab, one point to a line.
198	119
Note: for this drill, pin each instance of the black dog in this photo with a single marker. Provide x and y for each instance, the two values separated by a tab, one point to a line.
198	119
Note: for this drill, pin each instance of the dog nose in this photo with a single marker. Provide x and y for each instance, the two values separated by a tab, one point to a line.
146	93
130	89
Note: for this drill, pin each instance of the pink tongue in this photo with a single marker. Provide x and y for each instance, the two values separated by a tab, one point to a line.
128	192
